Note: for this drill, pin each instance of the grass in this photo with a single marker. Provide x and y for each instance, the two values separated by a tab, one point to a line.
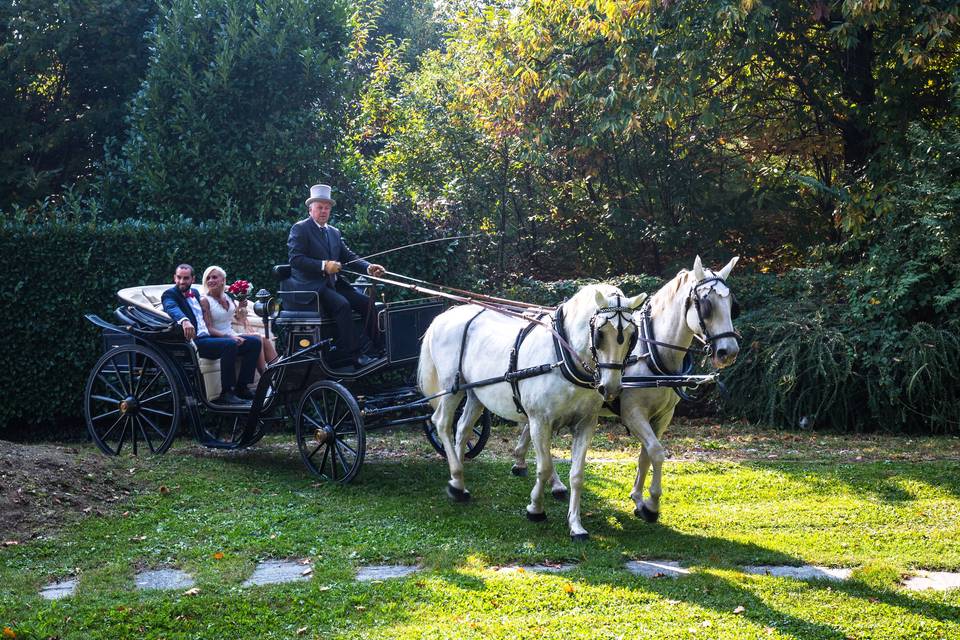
883	517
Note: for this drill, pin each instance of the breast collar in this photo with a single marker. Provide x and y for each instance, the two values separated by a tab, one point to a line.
571	371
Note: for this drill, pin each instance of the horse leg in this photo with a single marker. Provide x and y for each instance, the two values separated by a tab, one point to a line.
520	452
471	413
582	433
540	434
651	451
443	419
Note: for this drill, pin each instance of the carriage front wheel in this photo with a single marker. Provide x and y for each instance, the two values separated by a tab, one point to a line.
330	433
131	397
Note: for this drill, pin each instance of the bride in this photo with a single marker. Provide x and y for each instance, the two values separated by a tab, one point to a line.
220	310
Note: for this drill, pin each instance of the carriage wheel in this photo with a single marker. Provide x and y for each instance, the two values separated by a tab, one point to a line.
223	430
131	397
477	437
330	433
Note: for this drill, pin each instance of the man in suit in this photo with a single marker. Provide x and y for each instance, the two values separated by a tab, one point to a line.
317	254
182	304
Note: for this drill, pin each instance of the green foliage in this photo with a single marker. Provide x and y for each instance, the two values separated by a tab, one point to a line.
75	268
237	114
67	70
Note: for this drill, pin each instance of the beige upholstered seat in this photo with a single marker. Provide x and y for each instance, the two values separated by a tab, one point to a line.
148	297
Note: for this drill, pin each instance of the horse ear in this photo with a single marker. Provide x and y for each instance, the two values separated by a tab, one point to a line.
698	269
636	301
725	272
601	298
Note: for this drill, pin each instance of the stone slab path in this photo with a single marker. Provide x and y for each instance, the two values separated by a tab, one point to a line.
284	571
279	572
163	579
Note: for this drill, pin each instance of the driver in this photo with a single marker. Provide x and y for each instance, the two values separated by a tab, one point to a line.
317	254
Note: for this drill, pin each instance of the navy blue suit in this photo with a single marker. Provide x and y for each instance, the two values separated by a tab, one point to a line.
224	349
308	247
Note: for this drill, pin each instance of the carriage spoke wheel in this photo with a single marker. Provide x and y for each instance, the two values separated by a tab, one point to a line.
223	430
131	400
476	438
330	433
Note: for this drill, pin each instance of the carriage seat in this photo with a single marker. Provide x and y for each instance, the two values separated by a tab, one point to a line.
148	298
298	306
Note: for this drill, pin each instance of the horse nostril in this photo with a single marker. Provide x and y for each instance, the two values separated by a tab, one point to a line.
603	390
722	353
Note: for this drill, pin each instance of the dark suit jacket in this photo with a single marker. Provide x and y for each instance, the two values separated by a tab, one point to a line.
307	249
176	305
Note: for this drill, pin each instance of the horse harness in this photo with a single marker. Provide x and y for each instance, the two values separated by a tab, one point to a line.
680	381
572	369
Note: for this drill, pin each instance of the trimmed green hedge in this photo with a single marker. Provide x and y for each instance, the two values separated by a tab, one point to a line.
60	271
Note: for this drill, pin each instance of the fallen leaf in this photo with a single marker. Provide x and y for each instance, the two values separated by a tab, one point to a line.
739	609
218	555
164	489
192	592
88	510
306	561
125	514
706	623
301	631
138	538
9	633
360	607
324	588
568	588
11	543
306	572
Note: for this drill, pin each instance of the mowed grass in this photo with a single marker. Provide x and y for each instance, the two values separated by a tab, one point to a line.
883	518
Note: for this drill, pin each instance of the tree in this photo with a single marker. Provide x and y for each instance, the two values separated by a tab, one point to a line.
238	113
66	71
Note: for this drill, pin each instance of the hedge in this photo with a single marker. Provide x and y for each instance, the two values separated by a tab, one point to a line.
60	271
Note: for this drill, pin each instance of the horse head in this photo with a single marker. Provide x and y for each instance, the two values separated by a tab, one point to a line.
613	334
711	308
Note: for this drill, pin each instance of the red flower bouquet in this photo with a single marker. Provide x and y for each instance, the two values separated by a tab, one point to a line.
240	289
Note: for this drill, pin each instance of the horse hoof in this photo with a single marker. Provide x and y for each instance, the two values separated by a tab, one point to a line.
536	517
520	472
646	514
458	495
579	537
561	494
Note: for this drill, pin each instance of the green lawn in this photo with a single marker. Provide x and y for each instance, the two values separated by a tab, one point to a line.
882	518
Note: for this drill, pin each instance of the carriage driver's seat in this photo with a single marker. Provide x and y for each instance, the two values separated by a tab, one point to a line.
296	304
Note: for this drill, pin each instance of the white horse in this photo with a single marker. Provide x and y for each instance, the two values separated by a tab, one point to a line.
694	304
469	344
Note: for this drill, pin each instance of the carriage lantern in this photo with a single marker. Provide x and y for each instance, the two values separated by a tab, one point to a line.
265	307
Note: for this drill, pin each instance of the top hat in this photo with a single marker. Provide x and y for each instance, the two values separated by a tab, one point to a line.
320	193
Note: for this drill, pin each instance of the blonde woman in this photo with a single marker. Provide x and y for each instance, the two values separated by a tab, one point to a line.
220	310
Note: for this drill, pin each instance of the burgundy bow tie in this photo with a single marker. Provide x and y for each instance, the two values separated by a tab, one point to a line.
188	294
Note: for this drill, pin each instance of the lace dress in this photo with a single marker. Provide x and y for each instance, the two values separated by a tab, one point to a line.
222	318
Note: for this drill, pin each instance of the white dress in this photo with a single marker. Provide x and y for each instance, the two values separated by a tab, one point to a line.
221	318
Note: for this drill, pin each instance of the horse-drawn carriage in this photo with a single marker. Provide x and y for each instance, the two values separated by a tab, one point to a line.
572	360
150	381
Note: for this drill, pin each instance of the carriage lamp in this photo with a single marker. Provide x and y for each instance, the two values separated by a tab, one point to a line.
267	308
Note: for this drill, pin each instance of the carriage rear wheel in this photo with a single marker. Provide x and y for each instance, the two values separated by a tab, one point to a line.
131	397
476	438
330	433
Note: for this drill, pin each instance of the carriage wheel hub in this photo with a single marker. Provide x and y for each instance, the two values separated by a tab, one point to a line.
324	434
129	405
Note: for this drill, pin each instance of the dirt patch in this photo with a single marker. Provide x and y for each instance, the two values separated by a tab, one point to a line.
43	487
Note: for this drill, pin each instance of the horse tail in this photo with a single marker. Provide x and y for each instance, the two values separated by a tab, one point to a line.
427	377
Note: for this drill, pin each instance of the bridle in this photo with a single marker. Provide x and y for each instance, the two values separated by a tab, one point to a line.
624	315
705	308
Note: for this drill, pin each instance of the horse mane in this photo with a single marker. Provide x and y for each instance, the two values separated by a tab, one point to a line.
665	295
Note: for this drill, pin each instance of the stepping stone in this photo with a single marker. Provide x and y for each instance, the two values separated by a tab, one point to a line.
59	589
936	580
806	572
539	568
385	572
278	572
656	568
163	579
